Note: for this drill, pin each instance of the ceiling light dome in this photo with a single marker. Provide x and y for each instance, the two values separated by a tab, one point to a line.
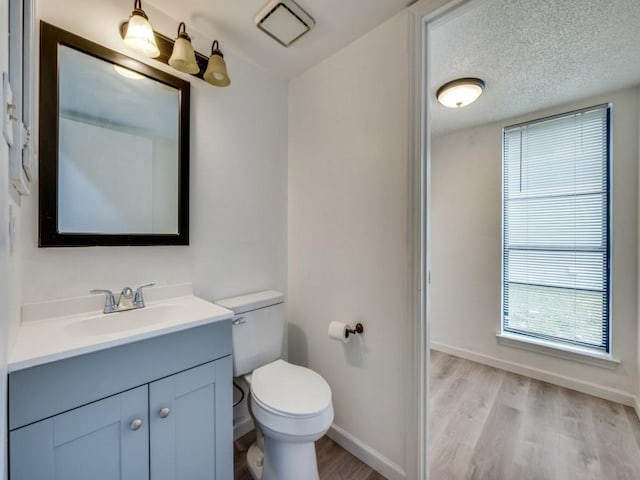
460	93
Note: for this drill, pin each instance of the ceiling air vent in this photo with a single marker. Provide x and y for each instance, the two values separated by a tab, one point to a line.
284	21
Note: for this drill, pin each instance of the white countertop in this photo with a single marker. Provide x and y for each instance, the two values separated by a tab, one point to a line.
68	332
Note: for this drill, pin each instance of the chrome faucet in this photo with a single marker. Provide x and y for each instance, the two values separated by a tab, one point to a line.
128	300
125	301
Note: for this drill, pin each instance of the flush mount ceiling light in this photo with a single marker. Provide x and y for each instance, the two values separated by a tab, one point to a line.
284	21
139	35
460	93
183	57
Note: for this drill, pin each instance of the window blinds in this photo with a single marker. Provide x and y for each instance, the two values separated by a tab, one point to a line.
556	228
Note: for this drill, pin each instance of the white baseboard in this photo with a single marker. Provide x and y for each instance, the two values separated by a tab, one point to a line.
351	444
368	455
589	388
242	428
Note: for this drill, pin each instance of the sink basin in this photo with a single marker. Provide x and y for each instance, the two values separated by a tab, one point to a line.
110	323
59	329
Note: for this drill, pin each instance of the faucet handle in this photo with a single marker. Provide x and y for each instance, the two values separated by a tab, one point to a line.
110	301
138	301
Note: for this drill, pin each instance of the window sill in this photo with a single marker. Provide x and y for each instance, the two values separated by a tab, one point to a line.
576	354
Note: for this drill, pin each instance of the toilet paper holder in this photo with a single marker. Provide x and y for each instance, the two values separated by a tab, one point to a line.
359	328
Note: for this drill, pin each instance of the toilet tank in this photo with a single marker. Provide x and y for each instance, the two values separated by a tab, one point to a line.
258	327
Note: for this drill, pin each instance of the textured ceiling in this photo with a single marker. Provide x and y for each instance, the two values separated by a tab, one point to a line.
534	54
338	23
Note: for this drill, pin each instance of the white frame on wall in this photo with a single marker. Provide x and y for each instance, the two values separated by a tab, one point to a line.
422	16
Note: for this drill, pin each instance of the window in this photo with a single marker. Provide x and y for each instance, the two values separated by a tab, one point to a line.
556	228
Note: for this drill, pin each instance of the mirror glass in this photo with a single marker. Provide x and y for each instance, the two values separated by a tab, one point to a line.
113	147
118	149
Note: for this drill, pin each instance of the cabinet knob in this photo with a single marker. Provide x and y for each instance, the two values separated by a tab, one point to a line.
164	412
136	424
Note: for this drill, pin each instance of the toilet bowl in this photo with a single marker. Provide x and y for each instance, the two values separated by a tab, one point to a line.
290	405
292	408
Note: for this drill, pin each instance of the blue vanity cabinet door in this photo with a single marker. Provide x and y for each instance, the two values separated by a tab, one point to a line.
94	442
195	440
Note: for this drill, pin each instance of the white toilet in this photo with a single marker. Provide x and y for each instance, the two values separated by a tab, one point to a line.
290	405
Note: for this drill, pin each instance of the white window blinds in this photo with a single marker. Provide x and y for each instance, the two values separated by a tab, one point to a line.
556	228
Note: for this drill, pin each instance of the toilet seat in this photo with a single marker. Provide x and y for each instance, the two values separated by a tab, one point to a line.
290	390
292	428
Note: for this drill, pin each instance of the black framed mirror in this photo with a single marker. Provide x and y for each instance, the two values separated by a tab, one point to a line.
114	147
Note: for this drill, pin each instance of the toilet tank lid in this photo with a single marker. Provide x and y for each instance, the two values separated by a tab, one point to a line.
251	301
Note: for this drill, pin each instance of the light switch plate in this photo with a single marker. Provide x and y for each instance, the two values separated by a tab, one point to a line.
7	109
17	139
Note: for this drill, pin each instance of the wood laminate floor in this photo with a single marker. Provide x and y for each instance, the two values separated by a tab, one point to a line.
488	424
334	462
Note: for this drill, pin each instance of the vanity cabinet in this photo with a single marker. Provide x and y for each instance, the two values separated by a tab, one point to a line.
176	426
96	441
182	423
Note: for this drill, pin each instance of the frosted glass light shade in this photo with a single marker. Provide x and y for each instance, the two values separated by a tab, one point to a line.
216	73
460	93
183	58
139	36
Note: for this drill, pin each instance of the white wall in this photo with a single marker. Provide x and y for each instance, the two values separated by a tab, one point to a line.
238	181
348	232
10	294
165	191
466	245
5	314
109	190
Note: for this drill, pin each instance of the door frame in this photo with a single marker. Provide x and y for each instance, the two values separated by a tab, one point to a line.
423	15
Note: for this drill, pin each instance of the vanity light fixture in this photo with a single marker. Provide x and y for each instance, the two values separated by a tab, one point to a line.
136	32
183	57
139	35
216	73
284	20
460	93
